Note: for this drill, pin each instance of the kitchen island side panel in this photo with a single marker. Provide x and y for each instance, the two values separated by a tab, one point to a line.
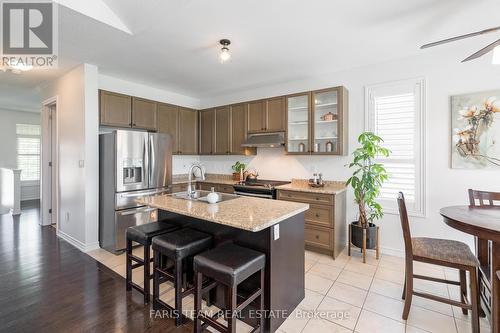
285	283
285	280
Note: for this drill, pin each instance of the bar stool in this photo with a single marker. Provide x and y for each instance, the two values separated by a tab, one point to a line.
178	246
143	234
228	265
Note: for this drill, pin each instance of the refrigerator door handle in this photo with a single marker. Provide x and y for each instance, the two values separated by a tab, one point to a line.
145	170
138	211
152	163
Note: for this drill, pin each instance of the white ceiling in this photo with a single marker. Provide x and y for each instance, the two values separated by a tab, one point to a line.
174	44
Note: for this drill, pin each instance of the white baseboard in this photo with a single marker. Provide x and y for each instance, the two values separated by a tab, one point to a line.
76	243
392	251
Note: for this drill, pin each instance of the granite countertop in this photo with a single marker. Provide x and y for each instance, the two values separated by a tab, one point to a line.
247	213
302	185
209	178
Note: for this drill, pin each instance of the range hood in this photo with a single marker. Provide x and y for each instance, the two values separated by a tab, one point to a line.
265	140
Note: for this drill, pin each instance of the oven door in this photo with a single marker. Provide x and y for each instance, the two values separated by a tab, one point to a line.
256	195
129	218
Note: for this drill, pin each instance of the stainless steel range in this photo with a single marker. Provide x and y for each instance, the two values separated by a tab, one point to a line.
259	188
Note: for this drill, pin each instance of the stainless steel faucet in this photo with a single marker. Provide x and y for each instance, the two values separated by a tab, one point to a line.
190	190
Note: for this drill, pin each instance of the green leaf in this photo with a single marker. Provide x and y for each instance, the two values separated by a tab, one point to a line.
368	176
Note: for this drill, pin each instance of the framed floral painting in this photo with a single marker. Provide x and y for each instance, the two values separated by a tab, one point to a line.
476	130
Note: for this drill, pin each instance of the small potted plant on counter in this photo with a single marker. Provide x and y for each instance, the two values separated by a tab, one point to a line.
238	169
366	181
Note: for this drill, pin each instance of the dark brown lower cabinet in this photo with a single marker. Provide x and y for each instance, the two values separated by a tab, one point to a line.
325	228
222	188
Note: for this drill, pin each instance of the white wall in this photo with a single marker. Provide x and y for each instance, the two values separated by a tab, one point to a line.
77	130
8	150
140	90
445	76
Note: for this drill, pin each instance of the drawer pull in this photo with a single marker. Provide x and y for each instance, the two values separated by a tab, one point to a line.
317	214
317	236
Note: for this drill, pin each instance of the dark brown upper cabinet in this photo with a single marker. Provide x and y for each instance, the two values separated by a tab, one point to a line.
188	131
182	124
256	116
168	123
238	129
275	114
144	114
207	131
222	130
266	115
115	109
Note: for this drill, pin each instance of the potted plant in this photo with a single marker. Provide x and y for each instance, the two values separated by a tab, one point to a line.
366	181
238	169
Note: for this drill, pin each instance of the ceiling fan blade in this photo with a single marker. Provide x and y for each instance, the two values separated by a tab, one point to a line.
449	40
483	51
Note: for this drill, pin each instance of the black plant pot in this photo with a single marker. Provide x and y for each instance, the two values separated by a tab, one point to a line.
357	235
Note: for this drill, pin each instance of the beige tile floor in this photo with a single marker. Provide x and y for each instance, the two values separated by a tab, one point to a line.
368	295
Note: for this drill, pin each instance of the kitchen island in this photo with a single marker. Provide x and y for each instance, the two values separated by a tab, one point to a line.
275	228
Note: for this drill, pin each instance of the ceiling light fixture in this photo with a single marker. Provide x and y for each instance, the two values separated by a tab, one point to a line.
496	56
224	51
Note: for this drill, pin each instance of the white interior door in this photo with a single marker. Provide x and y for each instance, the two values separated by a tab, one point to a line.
49	165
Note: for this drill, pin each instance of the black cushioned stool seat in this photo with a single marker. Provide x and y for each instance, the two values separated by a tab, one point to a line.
182	243
143	234
229	265
179	246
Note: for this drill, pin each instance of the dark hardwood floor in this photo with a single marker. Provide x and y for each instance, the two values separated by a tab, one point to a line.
47	285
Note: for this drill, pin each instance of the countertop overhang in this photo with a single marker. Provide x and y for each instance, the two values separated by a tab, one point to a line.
247	213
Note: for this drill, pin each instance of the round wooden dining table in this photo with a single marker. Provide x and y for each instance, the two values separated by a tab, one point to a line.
484	223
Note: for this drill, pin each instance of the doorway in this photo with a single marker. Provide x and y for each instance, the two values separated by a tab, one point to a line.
49	183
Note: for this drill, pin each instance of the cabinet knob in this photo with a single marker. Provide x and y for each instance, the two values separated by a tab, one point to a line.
317	236
317	198
317	215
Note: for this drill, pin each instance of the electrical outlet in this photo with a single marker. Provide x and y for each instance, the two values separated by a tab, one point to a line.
276	231
81	163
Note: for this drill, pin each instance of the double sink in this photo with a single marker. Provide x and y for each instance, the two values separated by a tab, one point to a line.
200	195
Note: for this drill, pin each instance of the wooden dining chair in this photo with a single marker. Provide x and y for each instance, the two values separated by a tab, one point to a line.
442	252
483	198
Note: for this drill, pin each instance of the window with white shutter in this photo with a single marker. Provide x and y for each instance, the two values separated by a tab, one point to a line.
395	112
28	151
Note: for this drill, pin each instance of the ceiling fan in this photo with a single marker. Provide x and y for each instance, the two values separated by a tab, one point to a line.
495	46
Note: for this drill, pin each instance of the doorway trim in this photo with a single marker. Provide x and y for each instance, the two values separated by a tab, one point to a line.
50	140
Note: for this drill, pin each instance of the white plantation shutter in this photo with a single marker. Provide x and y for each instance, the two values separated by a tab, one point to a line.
28	151
395	113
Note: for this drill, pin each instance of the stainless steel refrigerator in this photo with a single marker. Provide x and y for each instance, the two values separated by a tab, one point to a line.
131	164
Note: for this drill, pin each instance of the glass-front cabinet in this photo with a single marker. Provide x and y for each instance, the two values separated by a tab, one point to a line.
298	128
317	122
325	121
